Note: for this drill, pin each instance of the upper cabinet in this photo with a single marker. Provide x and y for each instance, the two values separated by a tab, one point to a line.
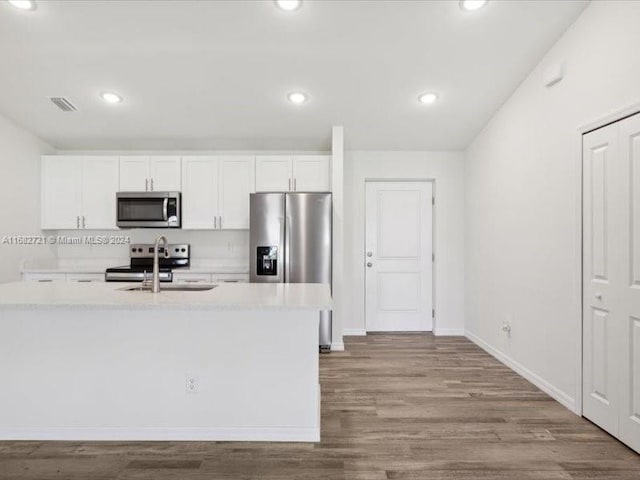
286	173
150	174
78	192
215	192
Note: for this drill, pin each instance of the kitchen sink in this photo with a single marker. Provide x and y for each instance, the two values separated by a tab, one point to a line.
172	287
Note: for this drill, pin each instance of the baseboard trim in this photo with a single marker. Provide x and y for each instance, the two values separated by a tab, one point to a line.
554	392
226	434
449	332
354	332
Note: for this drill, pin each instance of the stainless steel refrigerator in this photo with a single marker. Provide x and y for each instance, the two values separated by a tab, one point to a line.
290	242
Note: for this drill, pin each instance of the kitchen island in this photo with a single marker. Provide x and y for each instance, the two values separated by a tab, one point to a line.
96	362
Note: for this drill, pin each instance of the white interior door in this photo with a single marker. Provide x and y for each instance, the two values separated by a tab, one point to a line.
630	280
600	382
398	256
611	287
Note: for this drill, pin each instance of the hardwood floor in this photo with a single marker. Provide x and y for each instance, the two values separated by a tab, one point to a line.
393	407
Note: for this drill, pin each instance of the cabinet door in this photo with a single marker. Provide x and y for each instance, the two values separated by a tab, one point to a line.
60	192
235	184
312	173
100	178
274	173
199	192
165	174
134	174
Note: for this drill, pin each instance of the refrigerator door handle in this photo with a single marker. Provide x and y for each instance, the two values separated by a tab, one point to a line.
287	248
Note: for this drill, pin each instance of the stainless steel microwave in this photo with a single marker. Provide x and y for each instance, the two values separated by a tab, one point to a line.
149	209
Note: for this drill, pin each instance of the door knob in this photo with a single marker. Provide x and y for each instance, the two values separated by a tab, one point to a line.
598	296
369	264
369	254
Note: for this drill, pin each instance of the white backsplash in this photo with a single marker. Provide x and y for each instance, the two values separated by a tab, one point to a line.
205	245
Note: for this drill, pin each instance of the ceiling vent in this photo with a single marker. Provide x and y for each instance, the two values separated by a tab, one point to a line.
63	104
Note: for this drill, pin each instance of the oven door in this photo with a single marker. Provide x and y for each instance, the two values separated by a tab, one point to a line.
148	209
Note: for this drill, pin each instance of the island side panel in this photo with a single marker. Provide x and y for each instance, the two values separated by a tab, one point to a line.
122	375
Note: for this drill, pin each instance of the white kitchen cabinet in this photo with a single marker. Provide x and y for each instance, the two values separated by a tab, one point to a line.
78	192
274	173
150	174
301	173
312	173
98	193
60	192
236	182
215	192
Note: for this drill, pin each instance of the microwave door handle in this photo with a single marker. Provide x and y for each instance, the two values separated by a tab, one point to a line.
165	209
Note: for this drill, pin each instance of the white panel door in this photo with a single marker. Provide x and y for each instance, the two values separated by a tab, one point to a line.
60	192
134	174
236	182
274	173
100	179
629	374
600	309
199	193
312	173
165	174
398	256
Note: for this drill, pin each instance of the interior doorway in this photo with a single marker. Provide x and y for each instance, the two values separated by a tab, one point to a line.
399	256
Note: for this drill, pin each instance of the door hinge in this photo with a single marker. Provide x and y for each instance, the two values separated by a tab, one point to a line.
433	313
433	200
433	257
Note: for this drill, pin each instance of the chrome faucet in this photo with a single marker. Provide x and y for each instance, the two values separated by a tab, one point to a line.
156	261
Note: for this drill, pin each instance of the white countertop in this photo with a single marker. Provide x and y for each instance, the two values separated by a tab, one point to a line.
226	296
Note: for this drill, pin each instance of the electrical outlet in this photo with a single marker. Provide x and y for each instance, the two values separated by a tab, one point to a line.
192	384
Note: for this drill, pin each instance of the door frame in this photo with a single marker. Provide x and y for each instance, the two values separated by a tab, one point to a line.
613	117
433	242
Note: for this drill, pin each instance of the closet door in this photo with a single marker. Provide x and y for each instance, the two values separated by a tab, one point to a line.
629	374
601	312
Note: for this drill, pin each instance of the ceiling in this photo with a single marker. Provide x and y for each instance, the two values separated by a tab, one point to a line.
215	74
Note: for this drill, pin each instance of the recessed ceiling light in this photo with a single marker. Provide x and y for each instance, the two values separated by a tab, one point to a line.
23	4
111	97
471	5
297	97
428	98
289	5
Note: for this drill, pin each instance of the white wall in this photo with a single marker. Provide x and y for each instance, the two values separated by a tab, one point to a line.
522	210
447	169
19	196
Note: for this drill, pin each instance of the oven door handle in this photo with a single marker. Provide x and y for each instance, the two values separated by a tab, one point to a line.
165	209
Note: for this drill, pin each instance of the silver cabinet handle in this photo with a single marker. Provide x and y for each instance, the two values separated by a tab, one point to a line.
289	184
77	221
152	184
220	221
369	264
215	222
146	184
84	222
295	184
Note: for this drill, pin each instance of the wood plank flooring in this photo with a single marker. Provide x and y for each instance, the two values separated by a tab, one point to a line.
393	407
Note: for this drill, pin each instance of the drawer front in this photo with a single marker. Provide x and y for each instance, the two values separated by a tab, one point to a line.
85	277
231	277
191	277
45	277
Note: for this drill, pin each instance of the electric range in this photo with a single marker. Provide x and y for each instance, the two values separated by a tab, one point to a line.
141	263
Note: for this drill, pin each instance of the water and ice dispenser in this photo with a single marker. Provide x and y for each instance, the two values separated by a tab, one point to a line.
267	261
